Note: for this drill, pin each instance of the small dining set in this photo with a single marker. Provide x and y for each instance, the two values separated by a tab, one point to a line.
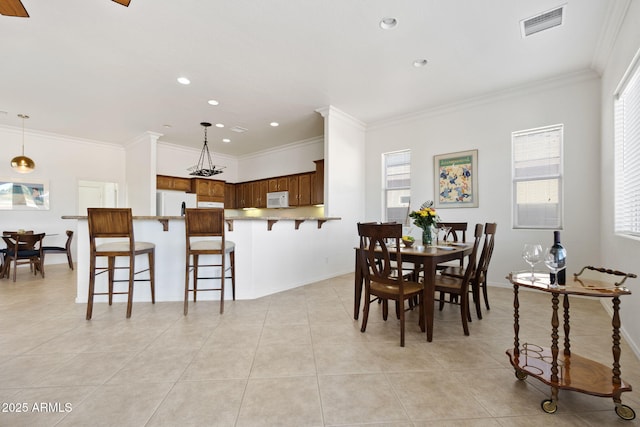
27	247
455	268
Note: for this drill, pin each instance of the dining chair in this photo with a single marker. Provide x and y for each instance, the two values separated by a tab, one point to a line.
457	234
205	236
382	280
23	248
62	250
459	286
480	278
111	236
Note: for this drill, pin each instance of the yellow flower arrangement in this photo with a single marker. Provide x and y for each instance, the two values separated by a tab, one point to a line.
426	216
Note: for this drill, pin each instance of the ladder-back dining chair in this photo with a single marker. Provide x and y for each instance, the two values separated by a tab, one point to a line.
382	279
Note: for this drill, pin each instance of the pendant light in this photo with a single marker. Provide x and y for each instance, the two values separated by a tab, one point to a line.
200	169
23	164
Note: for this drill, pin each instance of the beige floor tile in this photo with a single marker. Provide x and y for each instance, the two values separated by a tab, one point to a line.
291	401
365	398
200	403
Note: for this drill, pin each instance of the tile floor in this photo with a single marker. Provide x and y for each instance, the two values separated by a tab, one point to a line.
292	359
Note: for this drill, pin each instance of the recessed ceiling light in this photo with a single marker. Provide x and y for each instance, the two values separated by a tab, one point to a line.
388	23
420	63
183	80
274	124
213	102
166	126
226	140
219	125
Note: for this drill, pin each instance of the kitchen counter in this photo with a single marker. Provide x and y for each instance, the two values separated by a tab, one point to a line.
266	261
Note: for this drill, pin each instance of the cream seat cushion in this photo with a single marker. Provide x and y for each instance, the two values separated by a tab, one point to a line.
123	246
213	245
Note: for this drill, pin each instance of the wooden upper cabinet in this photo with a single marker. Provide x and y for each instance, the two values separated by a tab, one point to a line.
208	190
317	188
293	186
304	189
164	182
229	196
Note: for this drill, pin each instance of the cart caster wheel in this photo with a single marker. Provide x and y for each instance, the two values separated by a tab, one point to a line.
550	407
521	375
625	412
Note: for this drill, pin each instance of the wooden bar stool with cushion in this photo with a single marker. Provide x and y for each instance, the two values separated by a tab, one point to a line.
23	248
204	230
111	225
62	250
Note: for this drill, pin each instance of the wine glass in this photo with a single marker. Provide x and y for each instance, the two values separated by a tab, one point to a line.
555	260
443	232
532	254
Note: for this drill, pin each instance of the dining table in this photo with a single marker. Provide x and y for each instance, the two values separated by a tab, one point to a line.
424	258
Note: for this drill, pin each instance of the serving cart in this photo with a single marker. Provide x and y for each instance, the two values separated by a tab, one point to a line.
564	370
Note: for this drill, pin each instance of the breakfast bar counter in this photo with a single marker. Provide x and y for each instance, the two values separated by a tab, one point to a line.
269	258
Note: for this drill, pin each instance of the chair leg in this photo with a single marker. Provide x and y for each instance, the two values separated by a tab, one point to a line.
464	311
223	279
152	276
232	259
92	282
484	293
186	287
365	311
401	324
385	309
111	264
132	266
69	259
195	277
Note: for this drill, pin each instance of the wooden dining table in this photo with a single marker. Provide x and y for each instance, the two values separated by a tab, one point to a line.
425	259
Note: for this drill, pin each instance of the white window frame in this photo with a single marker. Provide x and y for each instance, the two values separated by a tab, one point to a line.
386	190
627	152
545	216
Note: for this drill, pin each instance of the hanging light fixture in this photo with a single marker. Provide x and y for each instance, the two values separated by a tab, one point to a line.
200	169
23	164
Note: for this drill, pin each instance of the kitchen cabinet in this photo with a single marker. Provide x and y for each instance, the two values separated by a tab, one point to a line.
164	182
293	187
229	195
317	186
299	187
208	190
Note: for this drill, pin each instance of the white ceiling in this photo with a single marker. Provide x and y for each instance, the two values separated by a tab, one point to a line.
97	70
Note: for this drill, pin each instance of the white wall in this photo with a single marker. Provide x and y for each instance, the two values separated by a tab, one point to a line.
618	252
486	124
141	174
173	160
284	160
61	161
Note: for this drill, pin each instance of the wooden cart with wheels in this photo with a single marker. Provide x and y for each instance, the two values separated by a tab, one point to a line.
566	370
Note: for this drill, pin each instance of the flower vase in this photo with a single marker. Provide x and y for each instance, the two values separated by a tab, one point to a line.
427	236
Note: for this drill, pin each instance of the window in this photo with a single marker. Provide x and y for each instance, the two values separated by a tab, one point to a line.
627	153
537	177
397	186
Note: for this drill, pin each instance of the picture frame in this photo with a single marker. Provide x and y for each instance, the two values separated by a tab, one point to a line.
18	194
456	179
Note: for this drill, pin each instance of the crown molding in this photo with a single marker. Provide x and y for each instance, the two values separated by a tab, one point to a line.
58	137
499	95
616	13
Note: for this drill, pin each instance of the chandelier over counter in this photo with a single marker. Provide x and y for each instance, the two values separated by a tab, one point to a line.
23	164
200	169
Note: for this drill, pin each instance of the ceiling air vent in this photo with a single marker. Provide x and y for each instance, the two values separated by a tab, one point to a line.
542	21
238	129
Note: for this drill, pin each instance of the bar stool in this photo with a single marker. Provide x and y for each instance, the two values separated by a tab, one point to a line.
204	230
116	223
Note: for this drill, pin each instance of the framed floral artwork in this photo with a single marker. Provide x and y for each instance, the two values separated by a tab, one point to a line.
456	179
23	195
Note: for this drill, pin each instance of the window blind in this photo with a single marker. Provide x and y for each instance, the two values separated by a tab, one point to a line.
627	154
397	186
537	177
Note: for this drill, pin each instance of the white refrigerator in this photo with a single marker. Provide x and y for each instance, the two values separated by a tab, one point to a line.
172	203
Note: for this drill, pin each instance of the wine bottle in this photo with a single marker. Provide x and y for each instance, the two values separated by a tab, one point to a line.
560	257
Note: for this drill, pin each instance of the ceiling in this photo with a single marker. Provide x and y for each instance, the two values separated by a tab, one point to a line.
93	69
